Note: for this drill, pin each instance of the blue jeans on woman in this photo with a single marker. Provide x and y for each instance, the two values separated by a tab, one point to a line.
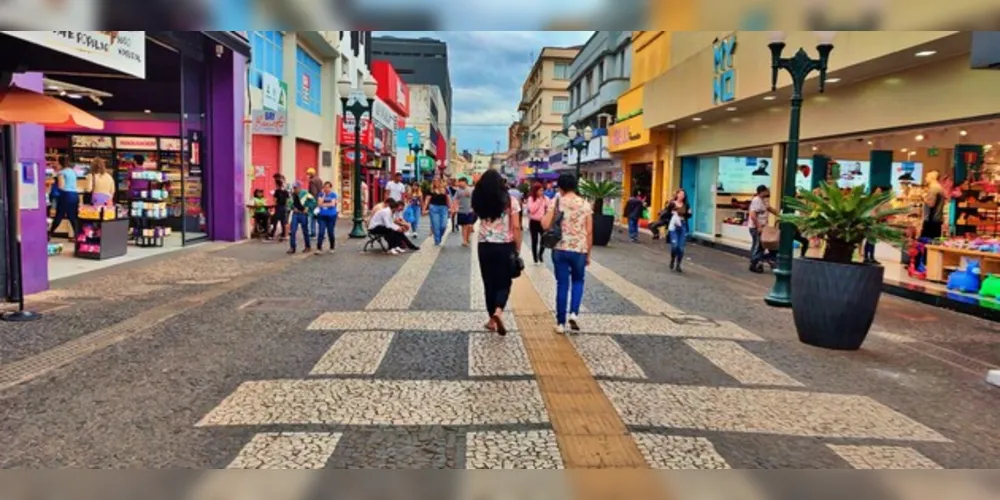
299	219
439	222
327	224
633	229
678	239
571	267
412	215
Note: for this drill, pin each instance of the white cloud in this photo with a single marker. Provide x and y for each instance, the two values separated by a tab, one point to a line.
501	116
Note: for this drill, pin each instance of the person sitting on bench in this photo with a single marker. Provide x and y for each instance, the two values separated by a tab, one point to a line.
383	223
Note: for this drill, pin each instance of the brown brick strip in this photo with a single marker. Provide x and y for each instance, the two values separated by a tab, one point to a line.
590	433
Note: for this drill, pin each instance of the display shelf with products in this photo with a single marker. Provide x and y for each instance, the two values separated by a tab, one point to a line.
148	208
103	233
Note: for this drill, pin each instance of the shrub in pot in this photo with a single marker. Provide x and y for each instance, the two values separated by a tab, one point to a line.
597	192
834	299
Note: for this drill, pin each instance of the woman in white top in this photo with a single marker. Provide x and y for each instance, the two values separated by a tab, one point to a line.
571	255
499	242
102	185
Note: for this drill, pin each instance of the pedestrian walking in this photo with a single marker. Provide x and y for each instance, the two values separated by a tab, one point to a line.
462	202
303	204
499	244
538	205
519	196
759	215
677	229
68	204
282	199
327	216
451	194
315	187
633	211
395	189
571	255
414	207
437	204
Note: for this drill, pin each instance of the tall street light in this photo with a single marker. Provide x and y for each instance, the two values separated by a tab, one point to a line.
416	148
357	109
798	67
579	146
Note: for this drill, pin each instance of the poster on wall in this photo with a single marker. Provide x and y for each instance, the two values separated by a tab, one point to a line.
905	173
804	174
852	173
742	175
28	192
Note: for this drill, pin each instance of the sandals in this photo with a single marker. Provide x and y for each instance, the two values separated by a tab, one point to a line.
501	329
490	326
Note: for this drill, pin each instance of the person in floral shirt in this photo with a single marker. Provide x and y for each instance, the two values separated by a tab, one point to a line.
571	255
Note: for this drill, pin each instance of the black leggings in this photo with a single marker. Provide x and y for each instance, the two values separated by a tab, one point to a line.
280	216
494	265
537	250
395	239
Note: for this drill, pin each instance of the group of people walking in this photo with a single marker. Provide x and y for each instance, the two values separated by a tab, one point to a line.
311	208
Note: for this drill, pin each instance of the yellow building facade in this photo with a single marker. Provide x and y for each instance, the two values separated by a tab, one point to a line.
645	156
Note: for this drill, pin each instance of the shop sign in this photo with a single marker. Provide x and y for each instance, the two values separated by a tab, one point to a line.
136	143
93	142
724	79
425	163
349	156
384	117
628	134
123	51
275	92
170	144
345	128
266	122
306	88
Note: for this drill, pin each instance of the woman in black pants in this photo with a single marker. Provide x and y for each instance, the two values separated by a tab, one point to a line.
538	204
281	197
499	243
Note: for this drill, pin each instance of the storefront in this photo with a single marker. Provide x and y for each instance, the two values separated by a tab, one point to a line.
896	108
643	156
172	141
346	139
393	101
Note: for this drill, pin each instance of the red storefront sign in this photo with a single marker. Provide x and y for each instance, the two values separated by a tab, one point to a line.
442	151
345	131
391	88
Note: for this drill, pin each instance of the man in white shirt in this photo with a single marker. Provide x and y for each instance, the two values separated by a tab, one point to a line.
384	222
395	188
759	218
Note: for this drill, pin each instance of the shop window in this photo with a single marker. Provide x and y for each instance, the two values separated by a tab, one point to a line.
308	89
267	56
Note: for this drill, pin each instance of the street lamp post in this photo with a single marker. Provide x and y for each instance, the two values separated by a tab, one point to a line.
357	109
798	67
416	148
579	146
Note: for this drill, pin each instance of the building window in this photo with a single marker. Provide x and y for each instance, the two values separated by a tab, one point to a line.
308	91
267	55
561	71
560	105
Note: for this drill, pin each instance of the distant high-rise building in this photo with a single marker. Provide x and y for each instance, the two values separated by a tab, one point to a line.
419	61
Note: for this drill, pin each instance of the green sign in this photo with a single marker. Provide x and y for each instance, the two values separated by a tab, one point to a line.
425	163
608	210
933	152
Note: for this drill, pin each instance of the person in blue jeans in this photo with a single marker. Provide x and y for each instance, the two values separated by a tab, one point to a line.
571	254
414	207
327	216
437	204
677	228
633	211
68	198
303	204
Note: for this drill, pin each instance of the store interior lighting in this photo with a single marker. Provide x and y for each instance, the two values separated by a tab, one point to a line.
926	53
70	91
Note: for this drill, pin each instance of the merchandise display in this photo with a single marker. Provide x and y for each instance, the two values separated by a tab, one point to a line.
54	249
149	209
103	233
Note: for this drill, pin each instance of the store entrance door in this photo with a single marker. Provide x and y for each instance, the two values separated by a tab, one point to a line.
196	179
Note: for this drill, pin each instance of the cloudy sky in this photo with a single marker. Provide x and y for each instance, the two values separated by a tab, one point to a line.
487	70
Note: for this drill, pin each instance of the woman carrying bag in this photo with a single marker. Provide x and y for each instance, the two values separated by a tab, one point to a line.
499	242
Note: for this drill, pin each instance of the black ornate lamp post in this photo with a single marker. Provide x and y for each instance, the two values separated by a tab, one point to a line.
357	109
581	145
798	67
416	148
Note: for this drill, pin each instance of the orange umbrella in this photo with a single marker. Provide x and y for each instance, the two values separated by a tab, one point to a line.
18	105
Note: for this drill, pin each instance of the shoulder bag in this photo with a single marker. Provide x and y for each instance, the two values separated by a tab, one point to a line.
516	262
553	235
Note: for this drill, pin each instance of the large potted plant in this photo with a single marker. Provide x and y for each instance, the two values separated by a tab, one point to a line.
834	299
597	192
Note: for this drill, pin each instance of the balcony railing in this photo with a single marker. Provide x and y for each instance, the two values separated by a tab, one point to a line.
596	47
607	95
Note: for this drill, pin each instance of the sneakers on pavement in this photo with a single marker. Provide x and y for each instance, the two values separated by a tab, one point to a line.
560	329
573	325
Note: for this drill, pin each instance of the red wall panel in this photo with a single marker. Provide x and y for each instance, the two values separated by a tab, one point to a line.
265	156
306	157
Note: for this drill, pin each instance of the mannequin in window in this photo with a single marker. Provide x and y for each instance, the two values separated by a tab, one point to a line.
934	200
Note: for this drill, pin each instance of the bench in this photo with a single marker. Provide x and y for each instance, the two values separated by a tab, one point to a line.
373	239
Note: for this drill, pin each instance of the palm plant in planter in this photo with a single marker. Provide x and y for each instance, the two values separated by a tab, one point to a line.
833	298
597	192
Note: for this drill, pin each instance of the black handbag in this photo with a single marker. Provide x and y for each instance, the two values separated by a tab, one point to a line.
553	235
516	262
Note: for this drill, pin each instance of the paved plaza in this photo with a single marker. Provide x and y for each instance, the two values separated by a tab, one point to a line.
241	357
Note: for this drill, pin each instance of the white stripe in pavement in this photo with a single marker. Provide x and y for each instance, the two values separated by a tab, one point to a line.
354	353
883	457
380	402
512	450
400	291
493	355
647	302
679	452
398	321
544	280
287	450
741	364
605	358
477	294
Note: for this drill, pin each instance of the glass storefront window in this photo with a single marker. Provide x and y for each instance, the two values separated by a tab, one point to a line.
193	126
705	186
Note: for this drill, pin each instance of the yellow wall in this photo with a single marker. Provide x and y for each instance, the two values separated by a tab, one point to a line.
686	89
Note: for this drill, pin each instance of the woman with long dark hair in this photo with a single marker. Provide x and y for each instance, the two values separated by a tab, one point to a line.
538	204
499	242
678	228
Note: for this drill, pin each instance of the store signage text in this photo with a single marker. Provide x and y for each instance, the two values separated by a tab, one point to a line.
306	88
170	144
123	51
136	143
346	131
275	92
93	142
384	117
268	122
627	135
724	78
